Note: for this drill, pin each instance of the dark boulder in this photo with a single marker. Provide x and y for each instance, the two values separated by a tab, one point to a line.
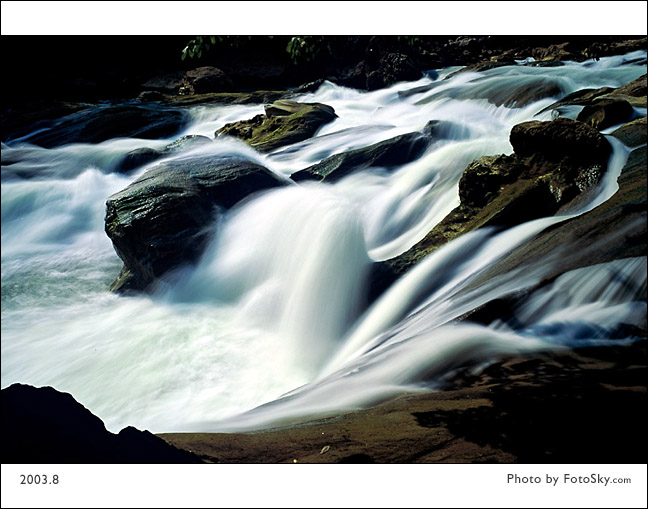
604	113
579	98
168	84
145	155
634	92
266	133
136	158
43	425
553	163
633	133
392	68
163	219
204	80
386	154
559	139
20	120
254	97
94	125
287	107
483	178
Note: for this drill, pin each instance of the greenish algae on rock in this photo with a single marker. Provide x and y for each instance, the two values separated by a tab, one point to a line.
553	163
267	133
256	97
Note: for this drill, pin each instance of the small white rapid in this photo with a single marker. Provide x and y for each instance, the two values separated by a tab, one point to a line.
273	323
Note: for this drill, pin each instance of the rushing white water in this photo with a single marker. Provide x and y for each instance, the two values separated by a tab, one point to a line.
275	314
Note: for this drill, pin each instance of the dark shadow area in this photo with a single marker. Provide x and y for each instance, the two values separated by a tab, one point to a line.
564	411
42	425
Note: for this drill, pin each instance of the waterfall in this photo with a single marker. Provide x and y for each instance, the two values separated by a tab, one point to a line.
273	322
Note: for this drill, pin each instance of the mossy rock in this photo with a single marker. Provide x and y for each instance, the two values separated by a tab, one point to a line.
633	133
604	113
266	134
256	97
554	163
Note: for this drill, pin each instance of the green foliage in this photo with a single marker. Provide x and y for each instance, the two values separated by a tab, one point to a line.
200	44
411	41
303	48
306	48
195	47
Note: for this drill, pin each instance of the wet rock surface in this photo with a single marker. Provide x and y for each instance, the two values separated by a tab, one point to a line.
164	218
267	133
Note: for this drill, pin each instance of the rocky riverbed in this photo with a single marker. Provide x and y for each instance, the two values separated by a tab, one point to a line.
526	381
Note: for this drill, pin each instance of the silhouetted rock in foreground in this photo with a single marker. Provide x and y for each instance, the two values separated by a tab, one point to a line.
43	425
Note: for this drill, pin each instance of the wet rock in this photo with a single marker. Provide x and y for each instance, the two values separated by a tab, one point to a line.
94	125
553	163
604	113
559	139
266	133
579	98
386	154
483	178
163	219
43	425
136	158
286	107
256	97
633	133
525	91
141	156
634	92
481	66
19	121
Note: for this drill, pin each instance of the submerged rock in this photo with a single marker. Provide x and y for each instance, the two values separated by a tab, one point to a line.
94	125
524	91
43	425
163	219
266	133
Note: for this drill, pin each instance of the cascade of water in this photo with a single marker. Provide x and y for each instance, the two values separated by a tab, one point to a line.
275	305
